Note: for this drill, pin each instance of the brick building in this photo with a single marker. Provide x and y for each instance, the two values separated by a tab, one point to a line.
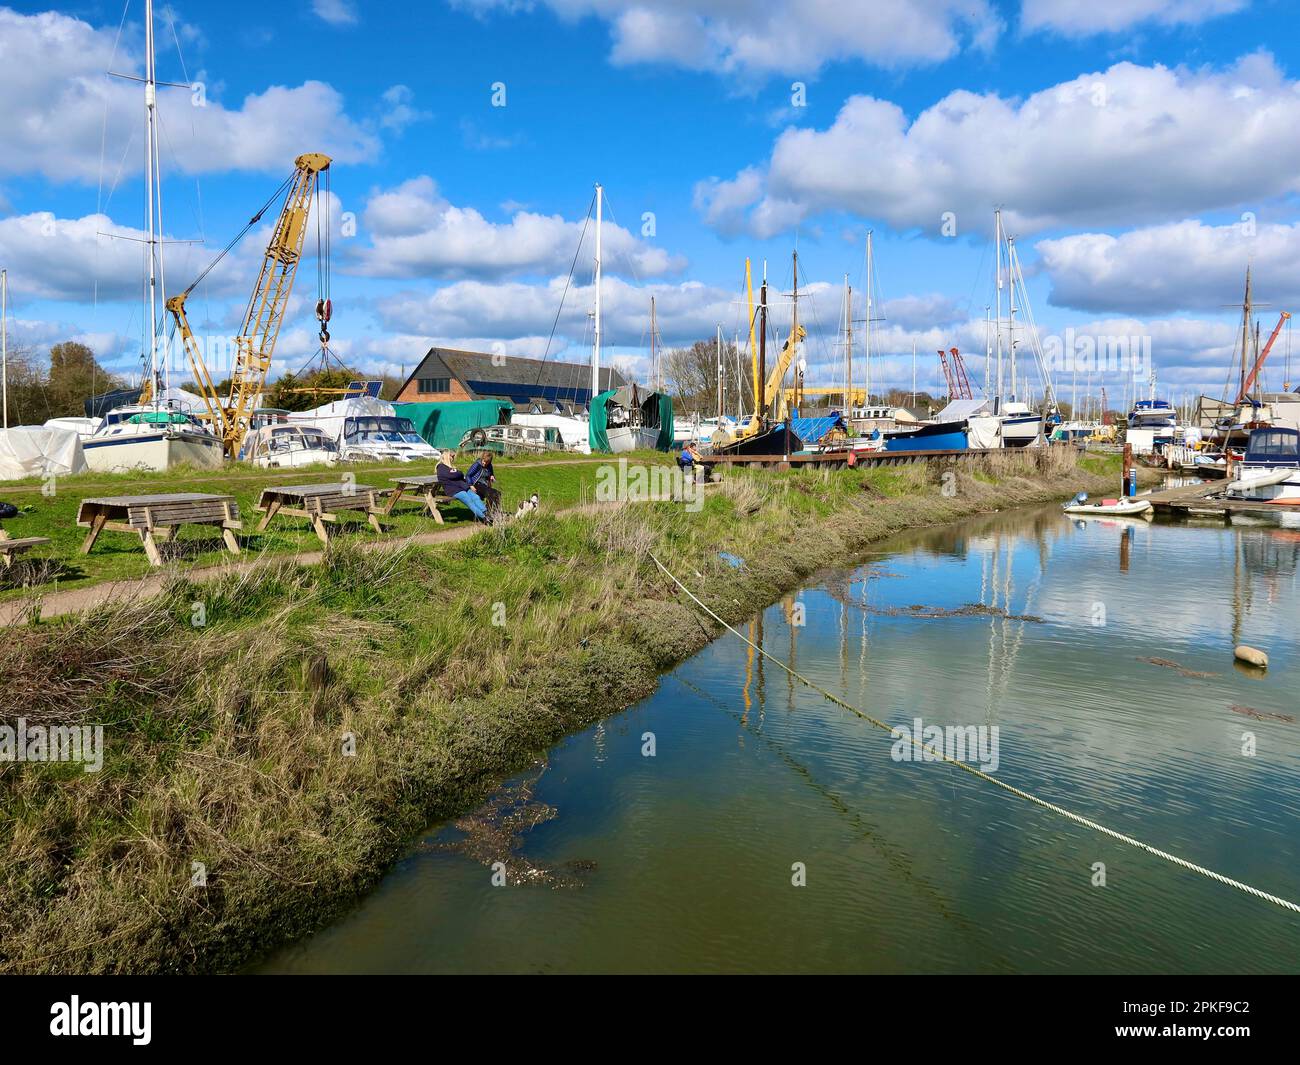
448	374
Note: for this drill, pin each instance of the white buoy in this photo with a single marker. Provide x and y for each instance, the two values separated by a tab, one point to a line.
1251	655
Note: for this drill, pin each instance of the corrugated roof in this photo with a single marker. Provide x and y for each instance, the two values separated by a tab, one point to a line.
514	378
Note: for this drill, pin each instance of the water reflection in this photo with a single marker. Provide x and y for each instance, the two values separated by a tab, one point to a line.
1103	653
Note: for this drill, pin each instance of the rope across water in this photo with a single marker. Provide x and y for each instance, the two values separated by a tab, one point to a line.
973	771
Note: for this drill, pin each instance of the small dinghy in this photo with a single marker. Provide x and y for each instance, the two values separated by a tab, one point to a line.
1108	508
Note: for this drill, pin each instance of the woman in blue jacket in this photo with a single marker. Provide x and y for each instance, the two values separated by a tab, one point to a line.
455	486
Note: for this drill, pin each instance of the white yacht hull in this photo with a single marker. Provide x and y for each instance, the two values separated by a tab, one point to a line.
1021	430
155	450
574	432
625	439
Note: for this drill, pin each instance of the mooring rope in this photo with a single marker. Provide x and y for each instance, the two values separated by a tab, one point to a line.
1019	792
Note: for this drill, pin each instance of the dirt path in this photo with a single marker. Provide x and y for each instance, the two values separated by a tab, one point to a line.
76	600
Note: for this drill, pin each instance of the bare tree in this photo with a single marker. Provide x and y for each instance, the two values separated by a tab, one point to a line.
691	375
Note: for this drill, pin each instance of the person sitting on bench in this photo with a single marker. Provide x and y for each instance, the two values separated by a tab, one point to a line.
455	486
690	459
483	478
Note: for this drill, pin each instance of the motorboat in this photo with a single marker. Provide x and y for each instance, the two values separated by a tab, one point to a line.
1108	508
279	446
1270	470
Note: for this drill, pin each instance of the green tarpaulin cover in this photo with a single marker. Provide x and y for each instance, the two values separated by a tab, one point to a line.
443	424
598	420
158	417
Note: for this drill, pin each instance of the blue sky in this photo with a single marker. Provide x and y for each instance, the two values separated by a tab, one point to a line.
1143	153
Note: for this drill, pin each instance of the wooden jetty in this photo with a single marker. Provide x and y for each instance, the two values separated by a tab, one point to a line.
840	459
1208	501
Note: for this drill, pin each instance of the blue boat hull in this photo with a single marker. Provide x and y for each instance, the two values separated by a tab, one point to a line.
946	436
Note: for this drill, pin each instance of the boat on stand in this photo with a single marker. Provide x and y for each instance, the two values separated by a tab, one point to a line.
153	433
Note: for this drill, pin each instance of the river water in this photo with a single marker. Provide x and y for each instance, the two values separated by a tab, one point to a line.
771	830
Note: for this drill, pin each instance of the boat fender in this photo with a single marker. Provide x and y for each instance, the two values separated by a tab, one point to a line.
1251	655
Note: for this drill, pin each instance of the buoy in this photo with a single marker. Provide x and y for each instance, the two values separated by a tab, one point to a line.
1252	655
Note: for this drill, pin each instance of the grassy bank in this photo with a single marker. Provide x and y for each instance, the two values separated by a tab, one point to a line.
52	511
229	744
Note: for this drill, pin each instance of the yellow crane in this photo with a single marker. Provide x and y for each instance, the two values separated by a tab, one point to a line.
771	386
255	343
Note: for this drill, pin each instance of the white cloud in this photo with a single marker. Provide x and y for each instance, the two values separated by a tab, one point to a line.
94	259
1130	145
511	310
61	108
415	232
1076	19
780	37
399	111
1182	266
335	12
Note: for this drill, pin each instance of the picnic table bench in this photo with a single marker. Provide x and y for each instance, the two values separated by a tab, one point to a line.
427	487
10	547
319	502
156	518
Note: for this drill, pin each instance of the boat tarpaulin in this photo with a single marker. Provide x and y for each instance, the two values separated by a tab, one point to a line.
665	441
984	432
812	430
443	424
598	421
39	451
656	410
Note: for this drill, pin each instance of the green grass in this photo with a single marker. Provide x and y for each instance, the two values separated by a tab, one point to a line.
560	481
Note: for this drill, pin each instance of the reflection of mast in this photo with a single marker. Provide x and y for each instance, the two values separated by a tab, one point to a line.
1238	584
749	668
787	608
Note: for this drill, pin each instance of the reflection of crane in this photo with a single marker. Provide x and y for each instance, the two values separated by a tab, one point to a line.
255	343
1259	362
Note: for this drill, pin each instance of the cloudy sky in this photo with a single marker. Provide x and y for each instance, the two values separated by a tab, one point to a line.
1142	152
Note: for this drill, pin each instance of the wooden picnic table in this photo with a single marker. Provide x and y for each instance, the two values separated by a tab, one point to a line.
319	502
10	547
158	517
427	487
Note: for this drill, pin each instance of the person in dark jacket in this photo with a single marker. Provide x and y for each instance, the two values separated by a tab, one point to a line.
483	478
690	460
455	485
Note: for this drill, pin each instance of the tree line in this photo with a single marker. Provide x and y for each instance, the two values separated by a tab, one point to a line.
54	386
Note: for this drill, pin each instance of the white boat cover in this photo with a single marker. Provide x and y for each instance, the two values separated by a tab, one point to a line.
983	432
331	416
38	451
957	409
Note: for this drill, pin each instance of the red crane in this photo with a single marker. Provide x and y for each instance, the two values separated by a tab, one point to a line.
963	382
955	375
1259	363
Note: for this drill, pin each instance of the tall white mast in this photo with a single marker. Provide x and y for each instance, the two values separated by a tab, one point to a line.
988	350
997	243
595	344
151	193
866	343
717	349
1011	313
914	371
848	344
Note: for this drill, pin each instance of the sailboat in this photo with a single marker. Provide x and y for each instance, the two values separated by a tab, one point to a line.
621	419
1020	424
154	434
